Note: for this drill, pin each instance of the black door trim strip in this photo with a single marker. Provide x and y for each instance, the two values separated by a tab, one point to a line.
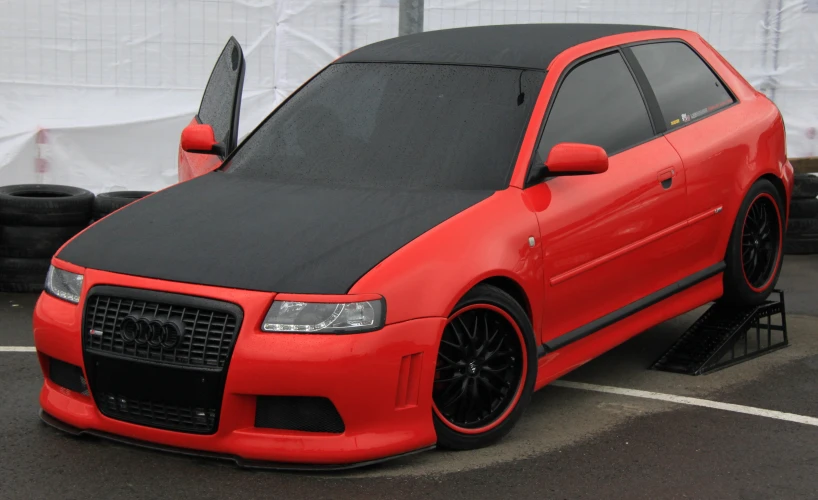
630	309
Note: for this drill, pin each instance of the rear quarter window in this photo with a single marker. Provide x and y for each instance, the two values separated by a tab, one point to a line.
686	88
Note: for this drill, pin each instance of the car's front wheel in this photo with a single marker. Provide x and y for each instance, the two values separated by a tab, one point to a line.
486	369
755	250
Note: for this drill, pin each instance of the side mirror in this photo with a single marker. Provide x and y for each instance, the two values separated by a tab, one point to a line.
570	158
199	138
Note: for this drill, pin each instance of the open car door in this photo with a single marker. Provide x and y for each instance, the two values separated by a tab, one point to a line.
213	133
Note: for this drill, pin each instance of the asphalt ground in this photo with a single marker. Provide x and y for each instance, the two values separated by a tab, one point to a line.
570	443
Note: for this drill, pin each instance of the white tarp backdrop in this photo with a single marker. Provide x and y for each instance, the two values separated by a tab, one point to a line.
94	93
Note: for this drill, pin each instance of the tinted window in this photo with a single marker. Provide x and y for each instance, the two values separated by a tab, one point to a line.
598	103
684	86
411	126
217	102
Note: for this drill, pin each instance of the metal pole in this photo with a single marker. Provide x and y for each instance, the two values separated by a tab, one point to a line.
410	17
776	45
341	27
353	18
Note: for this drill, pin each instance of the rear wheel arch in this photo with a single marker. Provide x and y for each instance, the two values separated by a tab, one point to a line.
779	186
737	286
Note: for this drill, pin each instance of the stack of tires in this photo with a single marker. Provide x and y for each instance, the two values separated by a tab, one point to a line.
802	229
106	203
37	219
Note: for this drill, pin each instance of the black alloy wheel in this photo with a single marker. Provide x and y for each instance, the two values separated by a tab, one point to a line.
479	367
760	242
754	251
485	369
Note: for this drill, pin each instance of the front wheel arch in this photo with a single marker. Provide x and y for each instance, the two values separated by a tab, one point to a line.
511	287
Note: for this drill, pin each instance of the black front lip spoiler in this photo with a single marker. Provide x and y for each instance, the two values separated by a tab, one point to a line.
241	462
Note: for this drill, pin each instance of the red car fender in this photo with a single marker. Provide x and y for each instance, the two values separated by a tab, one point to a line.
489	240
788	177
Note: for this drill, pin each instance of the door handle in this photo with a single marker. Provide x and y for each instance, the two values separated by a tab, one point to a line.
666	176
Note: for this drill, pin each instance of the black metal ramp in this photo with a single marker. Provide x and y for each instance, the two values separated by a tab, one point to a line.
726	335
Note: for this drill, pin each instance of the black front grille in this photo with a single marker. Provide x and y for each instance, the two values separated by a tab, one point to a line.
297	413
207	339
182	418
178	387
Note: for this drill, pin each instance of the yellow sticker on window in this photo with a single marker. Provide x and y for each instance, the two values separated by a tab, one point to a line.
675	122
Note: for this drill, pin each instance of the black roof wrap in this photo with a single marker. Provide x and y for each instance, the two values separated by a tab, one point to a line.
230	231
530	46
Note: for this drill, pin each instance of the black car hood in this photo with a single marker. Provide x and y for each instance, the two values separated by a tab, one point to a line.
229	231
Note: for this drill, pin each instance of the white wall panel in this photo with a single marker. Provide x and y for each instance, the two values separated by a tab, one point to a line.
94	93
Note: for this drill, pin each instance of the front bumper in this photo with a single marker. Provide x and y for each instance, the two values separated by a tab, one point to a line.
386	408
247	464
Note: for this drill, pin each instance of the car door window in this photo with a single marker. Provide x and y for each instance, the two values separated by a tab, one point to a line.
598	103
684	85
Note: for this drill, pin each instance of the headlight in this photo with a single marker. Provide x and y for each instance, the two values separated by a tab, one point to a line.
64	285
322	317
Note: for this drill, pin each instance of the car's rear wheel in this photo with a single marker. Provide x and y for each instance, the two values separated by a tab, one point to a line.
485	371
754	253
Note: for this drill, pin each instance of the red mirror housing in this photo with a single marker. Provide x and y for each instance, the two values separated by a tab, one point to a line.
570	158
199	138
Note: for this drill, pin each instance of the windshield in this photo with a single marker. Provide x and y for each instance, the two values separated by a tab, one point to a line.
395	126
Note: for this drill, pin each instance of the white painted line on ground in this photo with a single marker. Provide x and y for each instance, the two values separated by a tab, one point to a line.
17	348
749	410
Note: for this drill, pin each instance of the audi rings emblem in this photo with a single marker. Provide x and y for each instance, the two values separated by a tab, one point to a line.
151	332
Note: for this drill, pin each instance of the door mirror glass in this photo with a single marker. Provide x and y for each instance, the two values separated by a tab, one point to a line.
199	138
570	158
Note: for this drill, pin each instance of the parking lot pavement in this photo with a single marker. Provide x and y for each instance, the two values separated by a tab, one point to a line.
799	279
15	318
570	443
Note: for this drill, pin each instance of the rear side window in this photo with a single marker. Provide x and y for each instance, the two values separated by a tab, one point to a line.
684	85
598	103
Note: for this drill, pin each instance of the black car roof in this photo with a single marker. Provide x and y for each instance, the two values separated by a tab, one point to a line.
530	46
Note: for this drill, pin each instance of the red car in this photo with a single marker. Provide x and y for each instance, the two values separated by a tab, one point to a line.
426	232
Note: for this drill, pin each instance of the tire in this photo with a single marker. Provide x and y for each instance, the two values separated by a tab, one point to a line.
44	205
802	237
802	228
23	275
804	208
806	186
106	203
801	246
518	358
752	285
34	242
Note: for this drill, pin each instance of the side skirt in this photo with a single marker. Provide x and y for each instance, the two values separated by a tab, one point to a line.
630	309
